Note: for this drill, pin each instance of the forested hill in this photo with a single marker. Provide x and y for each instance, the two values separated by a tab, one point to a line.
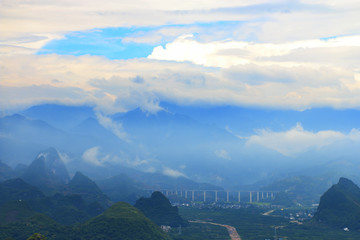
340	206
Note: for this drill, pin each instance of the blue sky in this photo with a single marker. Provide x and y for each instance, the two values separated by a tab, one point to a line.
115	43
101	42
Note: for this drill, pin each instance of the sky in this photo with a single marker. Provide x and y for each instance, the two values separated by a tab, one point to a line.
121	55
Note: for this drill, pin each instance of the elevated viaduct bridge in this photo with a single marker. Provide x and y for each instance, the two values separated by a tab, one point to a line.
218	195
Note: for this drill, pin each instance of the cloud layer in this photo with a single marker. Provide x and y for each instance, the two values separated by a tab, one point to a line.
297	140
112	86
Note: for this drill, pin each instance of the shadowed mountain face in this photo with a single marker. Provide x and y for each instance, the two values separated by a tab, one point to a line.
88	189
159	209
47	171
340	206
6	172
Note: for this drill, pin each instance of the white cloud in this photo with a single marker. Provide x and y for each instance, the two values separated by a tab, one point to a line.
172	172
114	127
151	170
227	53
297	140
137	162
108	84
223	154
92	156
64	157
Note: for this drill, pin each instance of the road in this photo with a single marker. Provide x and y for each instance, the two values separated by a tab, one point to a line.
231	230
268	213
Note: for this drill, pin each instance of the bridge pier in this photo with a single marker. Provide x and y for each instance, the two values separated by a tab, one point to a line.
238	196
216	196
250	197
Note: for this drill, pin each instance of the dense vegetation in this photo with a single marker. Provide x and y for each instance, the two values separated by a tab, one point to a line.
121	221
65	209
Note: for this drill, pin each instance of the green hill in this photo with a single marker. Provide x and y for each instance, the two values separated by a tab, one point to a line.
67	209
159	209
121	221
340	206
17	189
15	211
19	221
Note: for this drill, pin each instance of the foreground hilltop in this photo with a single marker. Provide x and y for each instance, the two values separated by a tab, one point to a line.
121	221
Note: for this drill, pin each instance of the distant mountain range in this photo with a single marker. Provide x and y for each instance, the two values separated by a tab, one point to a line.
201	143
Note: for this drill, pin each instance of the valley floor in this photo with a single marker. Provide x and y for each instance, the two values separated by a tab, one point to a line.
252	224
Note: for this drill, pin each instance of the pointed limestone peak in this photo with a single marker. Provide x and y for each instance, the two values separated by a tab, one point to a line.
82	183
340	205
53	164
345	182
80	178
47	171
